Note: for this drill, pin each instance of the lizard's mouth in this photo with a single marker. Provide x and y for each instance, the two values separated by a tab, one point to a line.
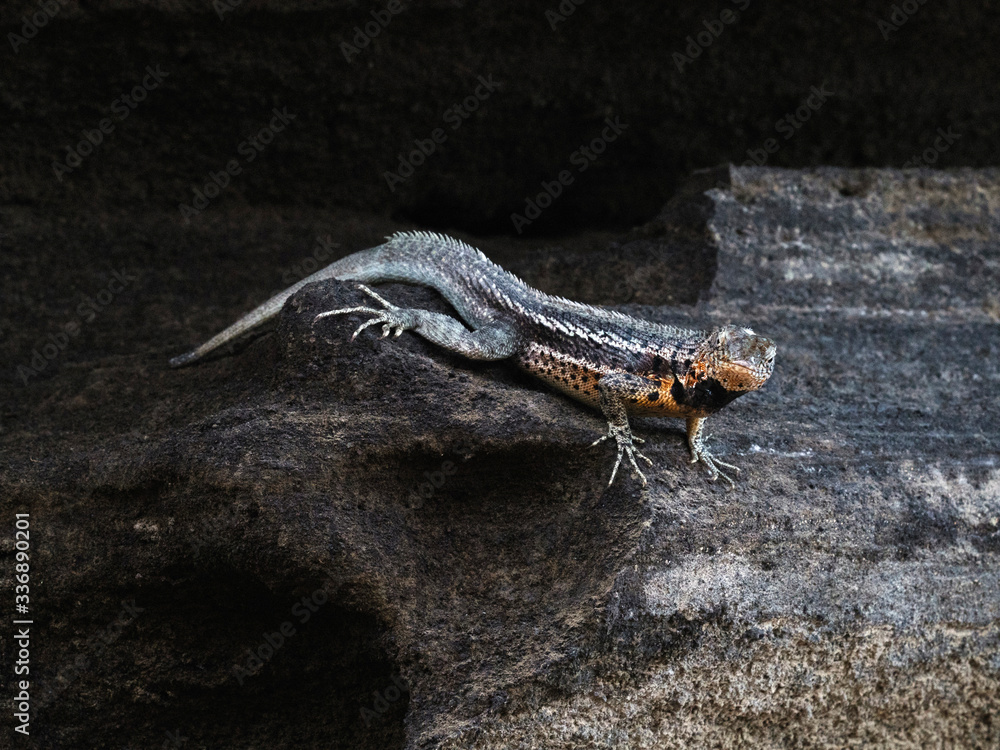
746	376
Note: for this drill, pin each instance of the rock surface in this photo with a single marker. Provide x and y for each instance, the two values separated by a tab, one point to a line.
259	551
689	89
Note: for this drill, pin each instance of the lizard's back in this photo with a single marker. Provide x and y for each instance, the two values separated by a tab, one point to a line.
569	345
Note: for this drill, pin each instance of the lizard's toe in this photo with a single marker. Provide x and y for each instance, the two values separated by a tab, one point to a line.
712	464
635	467
624	438
643	456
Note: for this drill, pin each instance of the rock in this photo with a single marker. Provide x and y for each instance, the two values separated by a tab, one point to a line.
316	543
687	89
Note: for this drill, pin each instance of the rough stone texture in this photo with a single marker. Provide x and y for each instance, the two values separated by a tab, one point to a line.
554	90
848	593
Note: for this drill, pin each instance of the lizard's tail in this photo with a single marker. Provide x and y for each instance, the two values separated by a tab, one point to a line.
356	266
412	257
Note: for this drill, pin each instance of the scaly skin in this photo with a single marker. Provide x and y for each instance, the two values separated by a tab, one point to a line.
620	364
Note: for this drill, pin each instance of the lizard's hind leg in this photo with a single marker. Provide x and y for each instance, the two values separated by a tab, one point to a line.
492	341
391	317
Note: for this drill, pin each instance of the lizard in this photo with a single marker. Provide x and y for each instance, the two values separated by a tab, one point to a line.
623	365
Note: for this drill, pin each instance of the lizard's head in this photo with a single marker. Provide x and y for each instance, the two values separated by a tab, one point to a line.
738	358
730	362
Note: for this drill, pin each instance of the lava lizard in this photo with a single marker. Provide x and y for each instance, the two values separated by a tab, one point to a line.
623	365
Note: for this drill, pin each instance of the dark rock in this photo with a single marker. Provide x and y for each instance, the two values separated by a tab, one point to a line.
230	63
320	543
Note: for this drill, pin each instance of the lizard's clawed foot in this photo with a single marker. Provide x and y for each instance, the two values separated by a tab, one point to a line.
624	439
393	319
700	453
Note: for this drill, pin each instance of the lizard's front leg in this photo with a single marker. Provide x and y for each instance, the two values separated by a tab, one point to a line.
615	388
696	441
489	342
